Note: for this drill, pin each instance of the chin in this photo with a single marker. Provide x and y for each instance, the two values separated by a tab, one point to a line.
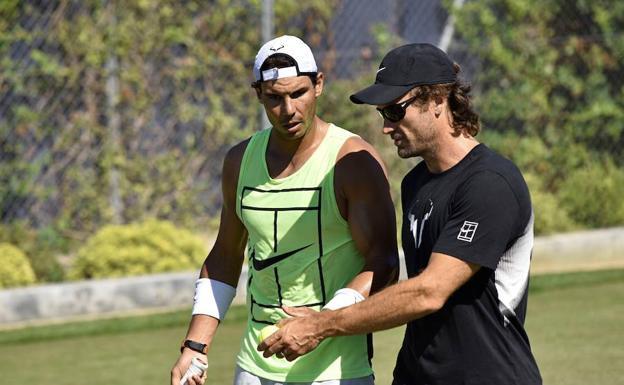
291	135
405	153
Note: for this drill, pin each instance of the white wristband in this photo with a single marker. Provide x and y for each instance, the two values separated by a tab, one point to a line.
343	298
212	297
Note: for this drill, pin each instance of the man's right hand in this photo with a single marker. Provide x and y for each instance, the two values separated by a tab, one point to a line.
183	363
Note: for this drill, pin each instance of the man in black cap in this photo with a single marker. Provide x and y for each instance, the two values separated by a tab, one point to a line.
467	238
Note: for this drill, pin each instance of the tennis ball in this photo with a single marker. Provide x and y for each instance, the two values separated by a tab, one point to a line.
266	332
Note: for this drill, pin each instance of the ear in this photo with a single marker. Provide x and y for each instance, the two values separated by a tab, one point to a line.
438	106
318	88
258	90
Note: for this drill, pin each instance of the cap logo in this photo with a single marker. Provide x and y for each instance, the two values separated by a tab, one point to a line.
404	68
276	48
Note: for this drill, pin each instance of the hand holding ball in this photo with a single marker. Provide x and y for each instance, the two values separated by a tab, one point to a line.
266	332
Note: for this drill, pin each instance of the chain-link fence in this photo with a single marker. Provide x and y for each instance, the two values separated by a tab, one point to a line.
117	111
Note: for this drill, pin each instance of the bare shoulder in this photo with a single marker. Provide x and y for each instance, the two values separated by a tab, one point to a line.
232	164
359	155
234	157
353	144
359	170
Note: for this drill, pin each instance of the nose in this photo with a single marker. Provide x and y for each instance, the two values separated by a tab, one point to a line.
388	127
288	107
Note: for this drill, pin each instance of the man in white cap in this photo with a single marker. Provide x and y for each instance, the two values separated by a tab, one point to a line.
310	205
467	238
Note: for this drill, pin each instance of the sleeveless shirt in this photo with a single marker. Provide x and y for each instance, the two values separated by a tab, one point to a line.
300	252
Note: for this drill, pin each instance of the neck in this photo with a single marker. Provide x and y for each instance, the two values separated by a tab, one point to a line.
448	151
284	157
293	147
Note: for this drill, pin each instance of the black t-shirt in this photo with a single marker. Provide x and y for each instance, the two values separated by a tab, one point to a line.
478	211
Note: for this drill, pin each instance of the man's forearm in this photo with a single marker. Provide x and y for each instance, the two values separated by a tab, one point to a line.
407	300
392	307
202	329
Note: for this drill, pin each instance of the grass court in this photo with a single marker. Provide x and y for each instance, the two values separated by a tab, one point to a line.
574	322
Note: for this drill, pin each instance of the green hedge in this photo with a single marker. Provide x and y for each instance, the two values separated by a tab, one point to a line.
42	247
550	215
135	249
15	269
593	195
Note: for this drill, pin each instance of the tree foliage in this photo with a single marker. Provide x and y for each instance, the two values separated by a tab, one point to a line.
117	111
551	93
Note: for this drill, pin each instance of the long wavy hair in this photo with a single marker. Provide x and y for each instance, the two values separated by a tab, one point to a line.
464	118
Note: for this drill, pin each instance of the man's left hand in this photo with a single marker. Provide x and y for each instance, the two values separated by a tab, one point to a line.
296	336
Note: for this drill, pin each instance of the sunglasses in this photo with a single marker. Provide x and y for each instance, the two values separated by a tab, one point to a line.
395	112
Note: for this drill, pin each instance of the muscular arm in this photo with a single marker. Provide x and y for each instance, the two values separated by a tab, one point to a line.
363	196
364	200
224	261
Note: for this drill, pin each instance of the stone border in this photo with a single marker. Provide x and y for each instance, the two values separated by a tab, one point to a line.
576	251
100	298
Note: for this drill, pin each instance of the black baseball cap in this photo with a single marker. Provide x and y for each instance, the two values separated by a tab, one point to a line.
404	68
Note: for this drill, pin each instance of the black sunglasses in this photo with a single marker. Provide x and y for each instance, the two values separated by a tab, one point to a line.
395	112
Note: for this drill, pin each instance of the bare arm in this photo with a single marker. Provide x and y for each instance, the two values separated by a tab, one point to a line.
364	200
224	261
363	195
408	300
393	306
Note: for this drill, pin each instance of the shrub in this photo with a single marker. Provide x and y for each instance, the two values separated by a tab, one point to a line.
593	195
41	246
149	247
550	216
15	270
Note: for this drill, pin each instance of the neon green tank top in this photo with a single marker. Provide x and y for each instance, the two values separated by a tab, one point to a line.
300	252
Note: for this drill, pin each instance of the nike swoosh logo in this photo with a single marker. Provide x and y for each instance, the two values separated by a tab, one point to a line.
381	69
263	264
275	49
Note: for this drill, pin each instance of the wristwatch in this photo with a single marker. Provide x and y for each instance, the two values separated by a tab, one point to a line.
194	345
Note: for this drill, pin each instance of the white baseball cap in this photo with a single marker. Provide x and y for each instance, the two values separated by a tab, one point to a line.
288	45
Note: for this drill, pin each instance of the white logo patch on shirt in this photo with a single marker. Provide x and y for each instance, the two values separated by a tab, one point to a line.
467	231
